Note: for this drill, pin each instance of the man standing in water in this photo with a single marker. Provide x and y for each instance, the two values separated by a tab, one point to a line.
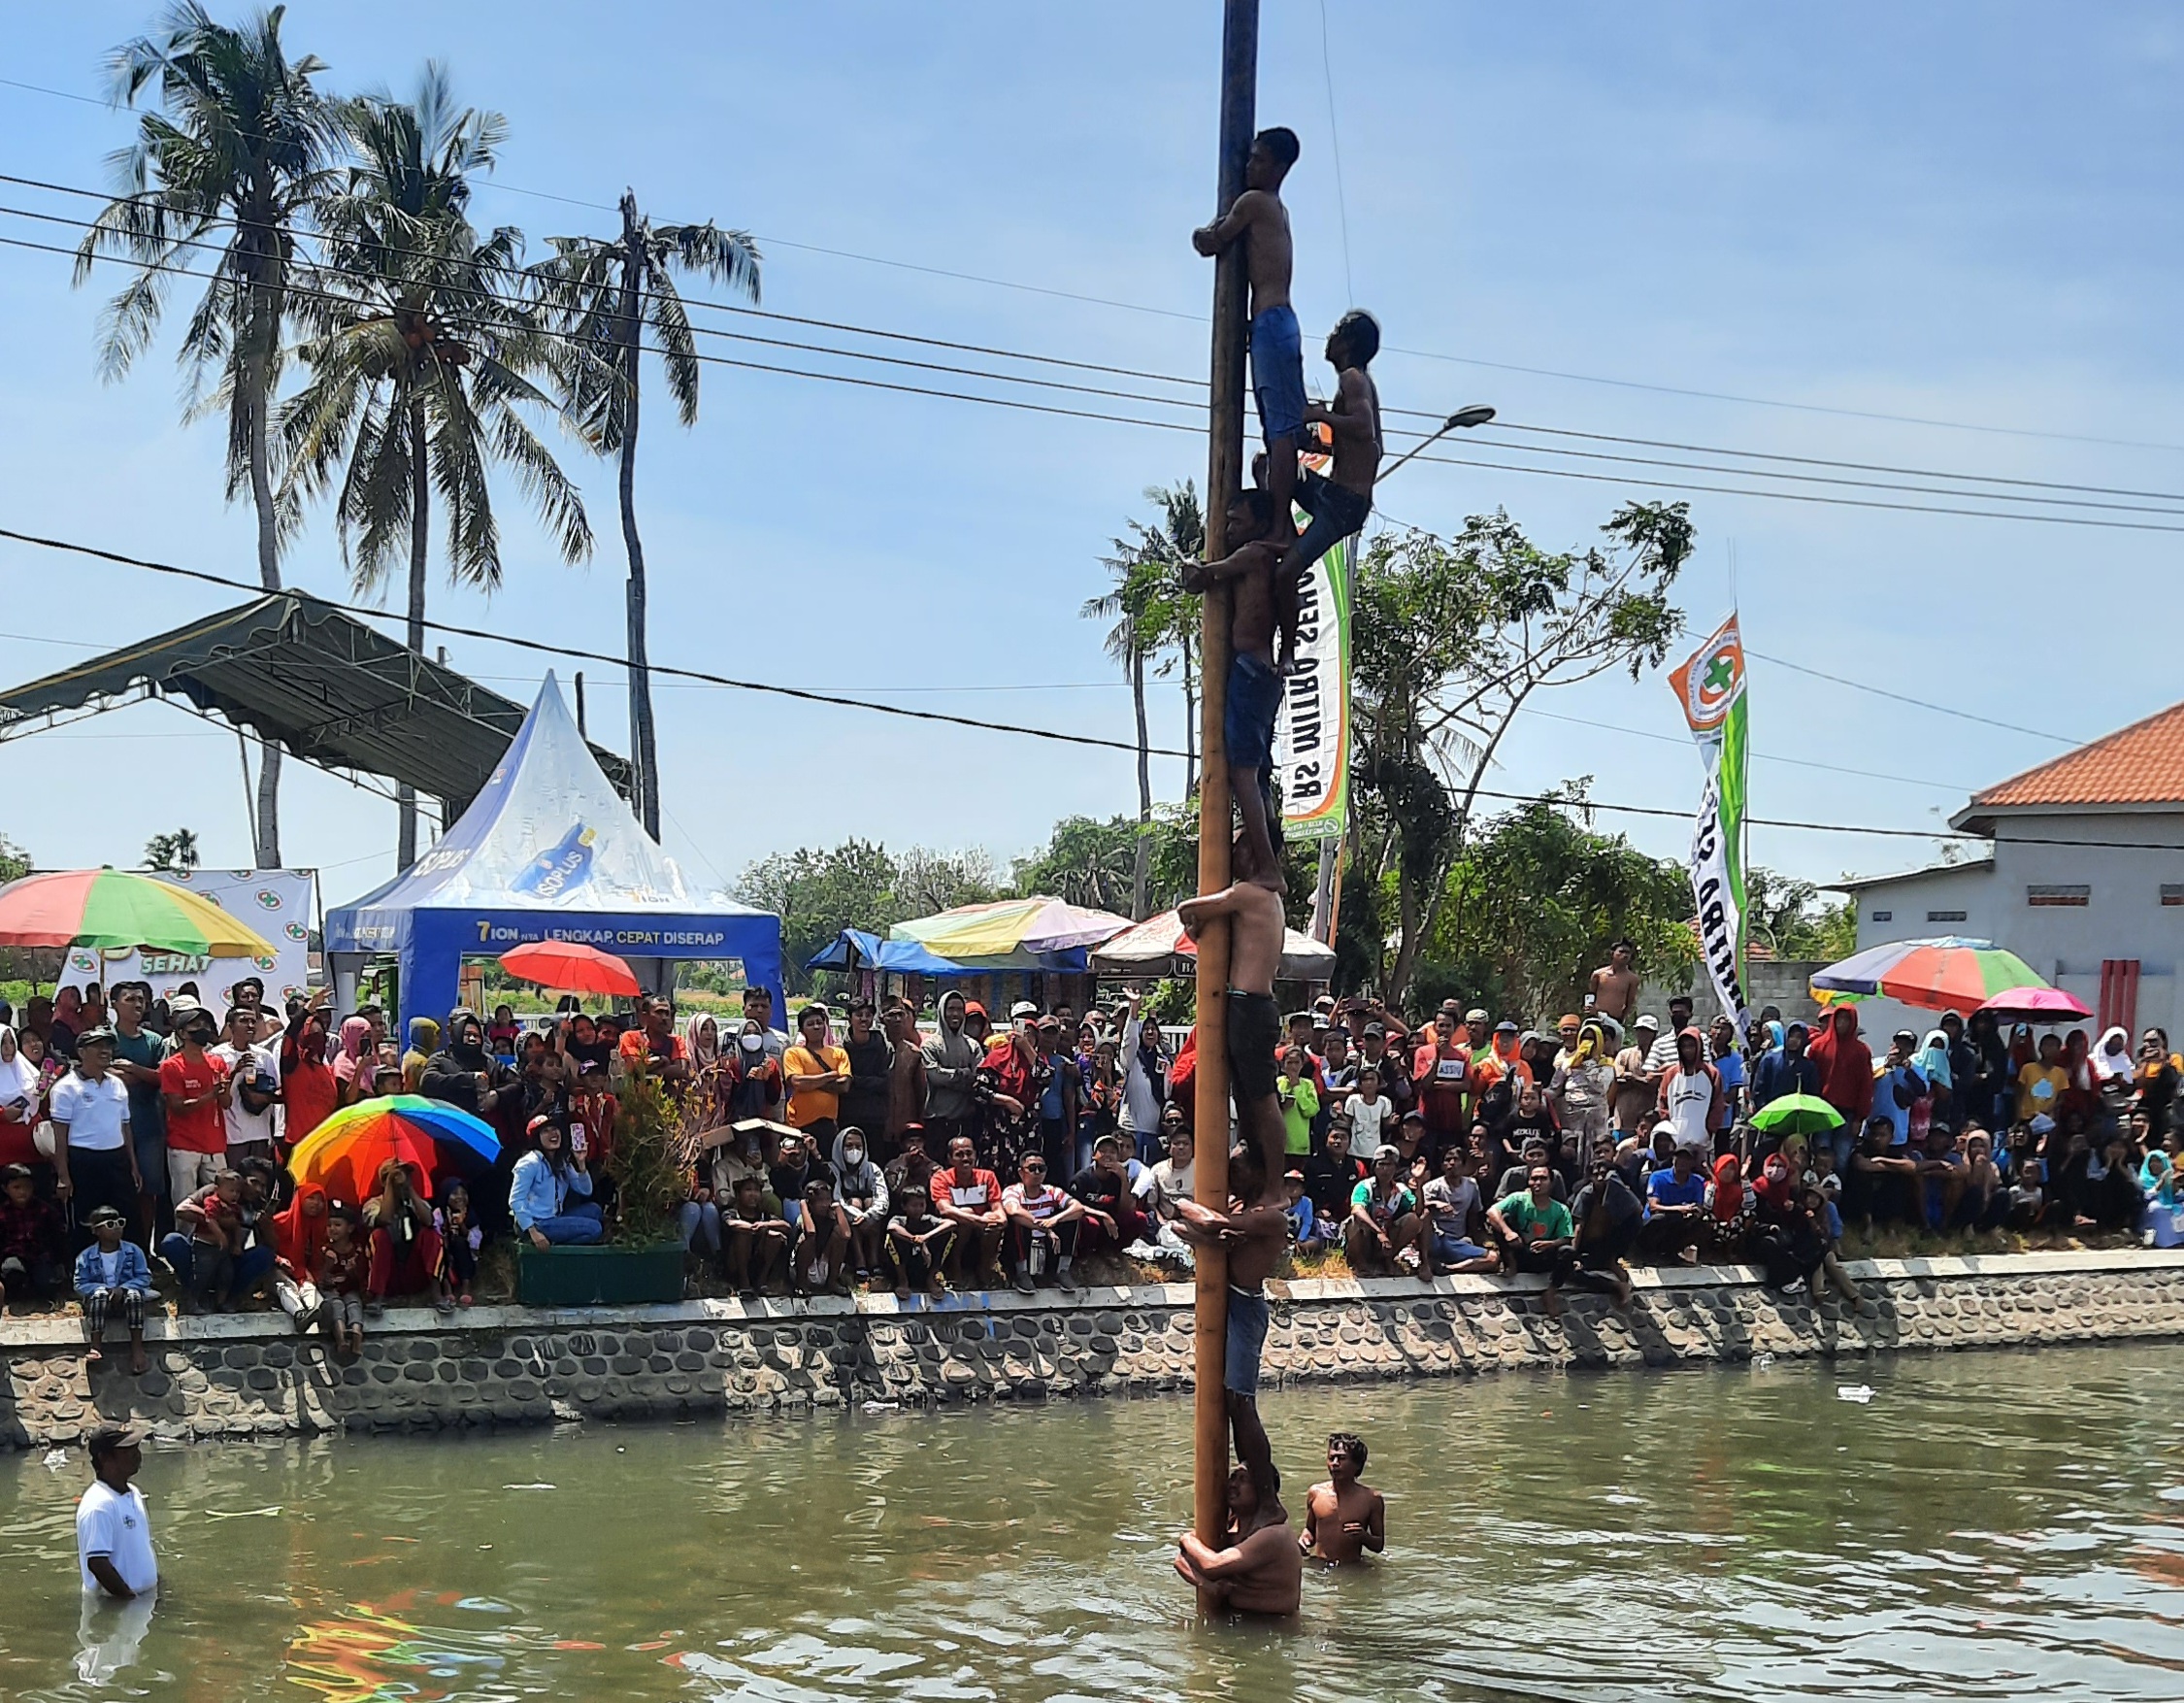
112	1532
1258	1570
1344	1517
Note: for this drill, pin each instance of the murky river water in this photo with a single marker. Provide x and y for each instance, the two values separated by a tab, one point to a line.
1987	1526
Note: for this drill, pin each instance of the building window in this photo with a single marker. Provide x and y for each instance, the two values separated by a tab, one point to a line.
2172	892
2053	893
1884	916
1946	916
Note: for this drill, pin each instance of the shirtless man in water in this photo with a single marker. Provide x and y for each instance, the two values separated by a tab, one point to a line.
1256	1235
1258	1570
1254	688
1254	1027
1344	1517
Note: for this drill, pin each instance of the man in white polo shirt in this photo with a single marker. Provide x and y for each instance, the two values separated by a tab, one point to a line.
112	1532
94	1161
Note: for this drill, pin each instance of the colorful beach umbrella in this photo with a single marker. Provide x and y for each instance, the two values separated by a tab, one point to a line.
1797	1115
1003	926
343	1154
569	967
1944	973
111	910
2037	1005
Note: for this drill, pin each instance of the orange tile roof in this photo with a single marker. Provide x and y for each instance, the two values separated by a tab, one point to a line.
2139	764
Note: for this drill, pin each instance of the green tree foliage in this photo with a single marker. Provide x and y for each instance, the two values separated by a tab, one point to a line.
1788	919
15	861
1535	902
1090	862
858	884
1452	639
176	851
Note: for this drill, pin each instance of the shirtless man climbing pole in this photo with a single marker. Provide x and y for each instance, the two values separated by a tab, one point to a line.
1254	1027
1340	503
1254	689
1257	1570
1256	1235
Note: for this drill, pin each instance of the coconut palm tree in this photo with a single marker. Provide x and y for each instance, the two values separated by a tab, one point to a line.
233	160
603	292
420	355
1132	605
1176	542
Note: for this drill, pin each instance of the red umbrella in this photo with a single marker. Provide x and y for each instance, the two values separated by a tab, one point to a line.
2037	1005
570	968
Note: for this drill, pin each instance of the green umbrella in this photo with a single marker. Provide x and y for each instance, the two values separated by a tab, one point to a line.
1797	1115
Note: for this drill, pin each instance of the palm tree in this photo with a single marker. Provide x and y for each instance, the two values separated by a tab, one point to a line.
1132	605
1176	542
601	293
420	360
234	159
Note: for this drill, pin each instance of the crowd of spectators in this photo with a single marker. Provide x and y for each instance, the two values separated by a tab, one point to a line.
143	1142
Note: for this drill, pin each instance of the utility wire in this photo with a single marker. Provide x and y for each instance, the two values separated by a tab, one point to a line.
1916	703
534	645
1334	144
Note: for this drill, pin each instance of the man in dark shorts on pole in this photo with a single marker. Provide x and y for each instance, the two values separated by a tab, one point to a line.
1254	1027
1340	503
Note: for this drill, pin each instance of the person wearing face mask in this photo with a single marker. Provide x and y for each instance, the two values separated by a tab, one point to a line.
753	1078
860	1189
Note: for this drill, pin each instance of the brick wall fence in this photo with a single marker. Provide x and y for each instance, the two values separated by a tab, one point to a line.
247	1376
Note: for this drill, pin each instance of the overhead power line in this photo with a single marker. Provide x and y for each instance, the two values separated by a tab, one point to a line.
175	570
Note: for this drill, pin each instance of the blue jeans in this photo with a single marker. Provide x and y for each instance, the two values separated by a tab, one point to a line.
700	1221
578	1225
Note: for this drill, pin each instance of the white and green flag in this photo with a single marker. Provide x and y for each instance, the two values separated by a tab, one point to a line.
1711	686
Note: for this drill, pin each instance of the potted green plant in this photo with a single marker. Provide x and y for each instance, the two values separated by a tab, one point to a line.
642	1259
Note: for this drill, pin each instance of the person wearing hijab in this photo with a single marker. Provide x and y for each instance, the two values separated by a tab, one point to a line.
310	1092
2155	1083
1727	1201
701	1036
1931	1062
424	1042
1846	1075
352	1064
22	1089
299	1240
2112	1073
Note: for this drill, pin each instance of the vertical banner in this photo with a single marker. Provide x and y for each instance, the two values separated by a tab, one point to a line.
1711	687
1312	756
276	902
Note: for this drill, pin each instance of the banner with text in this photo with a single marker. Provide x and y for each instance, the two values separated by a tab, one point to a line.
1711	686
1312	756
278	903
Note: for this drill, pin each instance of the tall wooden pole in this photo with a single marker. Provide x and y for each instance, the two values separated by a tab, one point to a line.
1224	475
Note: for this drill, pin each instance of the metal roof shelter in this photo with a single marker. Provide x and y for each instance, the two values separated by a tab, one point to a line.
300	674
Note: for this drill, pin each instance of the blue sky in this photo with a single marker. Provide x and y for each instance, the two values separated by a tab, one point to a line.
1952	212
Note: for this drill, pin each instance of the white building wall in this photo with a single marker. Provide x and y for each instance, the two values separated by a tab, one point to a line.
2122	914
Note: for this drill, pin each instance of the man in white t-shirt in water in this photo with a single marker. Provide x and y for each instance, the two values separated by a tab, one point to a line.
1691	1097
112	1532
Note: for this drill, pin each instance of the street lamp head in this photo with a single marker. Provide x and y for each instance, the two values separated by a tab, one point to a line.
1476	415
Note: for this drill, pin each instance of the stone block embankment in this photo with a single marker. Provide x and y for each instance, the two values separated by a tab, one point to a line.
247	1376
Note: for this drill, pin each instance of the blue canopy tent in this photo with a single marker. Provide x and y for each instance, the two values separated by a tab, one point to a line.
853	949
547	851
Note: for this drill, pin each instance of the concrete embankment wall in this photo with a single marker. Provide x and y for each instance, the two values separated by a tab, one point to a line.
249	1375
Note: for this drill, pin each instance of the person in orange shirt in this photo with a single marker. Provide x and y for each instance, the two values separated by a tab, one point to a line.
817	1073
1441	1070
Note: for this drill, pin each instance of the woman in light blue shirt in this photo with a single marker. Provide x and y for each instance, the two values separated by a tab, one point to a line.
538	1195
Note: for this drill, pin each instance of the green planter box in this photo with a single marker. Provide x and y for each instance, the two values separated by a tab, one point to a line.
598	1277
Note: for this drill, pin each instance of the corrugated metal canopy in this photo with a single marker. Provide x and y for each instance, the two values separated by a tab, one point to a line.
319	683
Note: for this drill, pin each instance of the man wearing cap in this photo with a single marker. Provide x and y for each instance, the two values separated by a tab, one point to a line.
112	1532
952	1072
94	1161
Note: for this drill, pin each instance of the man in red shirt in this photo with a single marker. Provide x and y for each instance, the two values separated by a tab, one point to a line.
1441	1070
194	1090
970	1199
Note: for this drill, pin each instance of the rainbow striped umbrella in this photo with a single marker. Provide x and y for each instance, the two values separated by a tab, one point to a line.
344	1154
1947	972
111	910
